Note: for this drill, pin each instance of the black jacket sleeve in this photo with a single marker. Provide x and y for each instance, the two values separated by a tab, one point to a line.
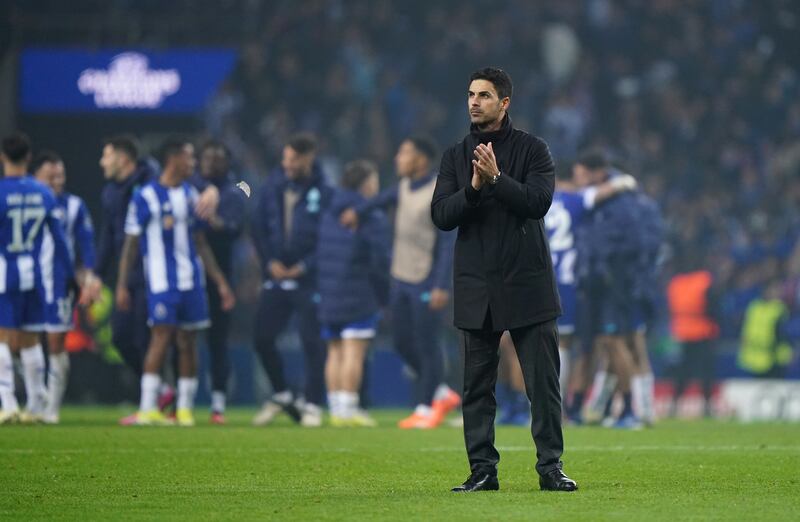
450	205
531	199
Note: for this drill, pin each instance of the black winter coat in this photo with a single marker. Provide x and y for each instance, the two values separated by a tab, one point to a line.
502	261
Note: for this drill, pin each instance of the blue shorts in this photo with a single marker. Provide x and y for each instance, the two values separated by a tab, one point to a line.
569	309
187	310
23	310
363	329
58	312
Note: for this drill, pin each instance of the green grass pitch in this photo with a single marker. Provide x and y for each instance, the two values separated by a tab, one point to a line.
90	469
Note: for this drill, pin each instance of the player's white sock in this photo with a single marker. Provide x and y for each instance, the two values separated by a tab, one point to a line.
637	394
602	389
649	395
218	402
33	370
283	398
333	402
9	400
563	377
57	379
187	389
442	391
150	384
424	410
349	401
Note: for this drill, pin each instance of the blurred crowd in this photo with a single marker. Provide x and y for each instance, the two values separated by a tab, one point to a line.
697	99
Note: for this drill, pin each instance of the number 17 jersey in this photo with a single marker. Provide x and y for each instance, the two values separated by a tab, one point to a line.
26	207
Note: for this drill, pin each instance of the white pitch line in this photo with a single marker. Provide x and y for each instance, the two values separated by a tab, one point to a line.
435	449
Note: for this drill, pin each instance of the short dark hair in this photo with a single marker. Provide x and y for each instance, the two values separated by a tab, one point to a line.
172	146
17	147
425	145
124	144
216	144
356	173
498	77
594	159
45	156
303	143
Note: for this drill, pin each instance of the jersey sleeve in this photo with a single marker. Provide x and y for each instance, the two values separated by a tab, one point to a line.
138	215
589	197
84	235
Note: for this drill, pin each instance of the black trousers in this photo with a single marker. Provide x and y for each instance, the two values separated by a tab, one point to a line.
698	360
218	341
537	350
416	331
129	331
276	306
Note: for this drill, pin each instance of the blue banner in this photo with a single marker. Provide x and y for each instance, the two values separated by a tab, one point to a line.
174	81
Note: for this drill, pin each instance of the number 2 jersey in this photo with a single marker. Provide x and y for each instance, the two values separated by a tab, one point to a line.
27	210
566	212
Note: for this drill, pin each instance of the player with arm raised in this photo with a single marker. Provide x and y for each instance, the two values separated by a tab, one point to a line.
162	217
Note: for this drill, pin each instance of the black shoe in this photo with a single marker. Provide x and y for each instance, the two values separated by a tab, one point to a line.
478	482
556	481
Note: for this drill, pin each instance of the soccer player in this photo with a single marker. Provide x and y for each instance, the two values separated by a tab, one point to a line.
27	209
353	284
570	206
608	253
224	227
422	264
126	173
79	233
162	217
285	232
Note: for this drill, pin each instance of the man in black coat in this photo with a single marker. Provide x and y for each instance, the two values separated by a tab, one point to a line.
496	186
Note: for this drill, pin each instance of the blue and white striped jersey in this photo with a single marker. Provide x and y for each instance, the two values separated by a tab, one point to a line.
27	210
164	219
76	223
561	222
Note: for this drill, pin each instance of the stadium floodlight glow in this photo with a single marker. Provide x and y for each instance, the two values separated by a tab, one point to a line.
129	83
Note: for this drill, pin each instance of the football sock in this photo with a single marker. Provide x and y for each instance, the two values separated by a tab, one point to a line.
648	385
423	410
9	400
33	371
187	389
349	401
283	398
218	401
57	378
150	384
441	393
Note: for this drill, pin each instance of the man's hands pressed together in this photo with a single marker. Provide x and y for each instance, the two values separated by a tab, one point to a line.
484	166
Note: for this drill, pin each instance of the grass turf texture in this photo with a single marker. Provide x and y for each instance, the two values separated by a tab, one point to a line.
89	468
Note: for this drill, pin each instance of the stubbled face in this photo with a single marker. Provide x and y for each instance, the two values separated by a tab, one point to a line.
53	175
371	186
213	162
112	162
296	165
184	163
408	160
483	103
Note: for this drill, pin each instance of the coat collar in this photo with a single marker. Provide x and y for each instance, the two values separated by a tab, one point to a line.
496	137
